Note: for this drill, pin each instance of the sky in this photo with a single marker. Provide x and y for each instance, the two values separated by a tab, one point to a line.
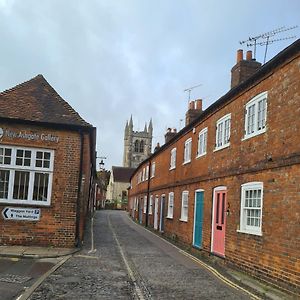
113	59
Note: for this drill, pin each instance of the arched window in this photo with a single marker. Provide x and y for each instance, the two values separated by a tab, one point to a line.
136	146
142	146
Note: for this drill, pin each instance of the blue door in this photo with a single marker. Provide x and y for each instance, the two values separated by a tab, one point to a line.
198	219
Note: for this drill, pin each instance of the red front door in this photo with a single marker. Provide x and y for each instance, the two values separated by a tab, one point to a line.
219	222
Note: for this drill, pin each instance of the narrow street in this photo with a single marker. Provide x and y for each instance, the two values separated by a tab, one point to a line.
132	263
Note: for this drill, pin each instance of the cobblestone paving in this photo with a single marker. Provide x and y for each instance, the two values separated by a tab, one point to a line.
131	263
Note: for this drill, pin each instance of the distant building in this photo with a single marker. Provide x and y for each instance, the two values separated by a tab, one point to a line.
47	167
117	189
137	144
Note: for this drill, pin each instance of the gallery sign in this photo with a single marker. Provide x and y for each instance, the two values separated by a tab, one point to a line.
21	214
23	134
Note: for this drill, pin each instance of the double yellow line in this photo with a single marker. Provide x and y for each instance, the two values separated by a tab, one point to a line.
219	275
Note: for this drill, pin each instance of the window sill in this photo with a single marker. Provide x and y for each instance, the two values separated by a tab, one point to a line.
200	155
25	203
221	147
186	162
181	220
250	232
169	218
249	136
172	168
150	214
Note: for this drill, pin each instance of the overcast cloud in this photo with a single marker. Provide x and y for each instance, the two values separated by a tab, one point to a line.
110	59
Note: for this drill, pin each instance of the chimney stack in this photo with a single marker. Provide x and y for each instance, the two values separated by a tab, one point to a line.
194	110
169	134
244	68
157	147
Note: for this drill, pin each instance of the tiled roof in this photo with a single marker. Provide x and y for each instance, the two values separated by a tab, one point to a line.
122	174
36	100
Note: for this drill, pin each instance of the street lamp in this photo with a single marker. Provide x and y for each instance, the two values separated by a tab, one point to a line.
101	164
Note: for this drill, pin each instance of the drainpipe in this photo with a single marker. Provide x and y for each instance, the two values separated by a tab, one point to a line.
77	233
148	195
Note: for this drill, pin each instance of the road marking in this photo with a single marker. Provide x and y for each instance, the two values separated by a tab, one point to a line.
209	268
86	256
138	291
219	275
28	292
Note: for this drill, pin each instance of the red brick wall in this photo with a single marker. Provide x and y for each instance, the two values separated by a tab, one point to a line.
57	225
272	158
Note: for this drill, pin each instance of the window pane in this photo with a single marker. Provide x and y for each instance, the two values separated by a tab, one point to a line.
4	181
38	163
40	189
27	162
39	154
47	155
21	183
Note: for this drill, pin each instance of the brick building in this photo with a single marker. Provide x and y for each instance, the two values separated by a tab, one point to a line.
228	183
47	163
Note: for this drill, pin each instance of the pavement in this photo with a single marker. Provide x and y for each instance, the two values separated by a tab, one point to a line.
35	252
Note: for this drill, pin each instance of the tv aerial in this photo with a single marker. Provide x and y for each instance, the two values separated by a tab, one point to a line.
265	39
190	89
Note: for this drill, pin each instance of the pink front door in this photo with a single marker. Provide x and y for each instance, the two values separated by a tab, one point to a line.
219	222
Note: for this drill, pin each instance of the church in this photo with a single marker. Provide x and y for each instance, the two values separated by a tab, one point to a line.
137	148
137	144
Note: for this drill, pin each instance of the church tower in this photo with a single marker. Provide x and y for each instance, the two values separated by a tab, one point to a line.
137	144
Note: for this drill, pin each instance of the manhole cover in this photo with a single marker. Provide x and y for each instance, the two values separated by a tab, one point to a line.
11	278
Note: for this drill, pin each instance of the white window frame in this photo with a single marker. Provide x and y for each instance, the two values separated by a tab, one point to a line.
184	206
202	142
187	155
152	169
170	205
150	205
145	204
223	128
252	107
244	227
143	175
32	170
173	159
147	173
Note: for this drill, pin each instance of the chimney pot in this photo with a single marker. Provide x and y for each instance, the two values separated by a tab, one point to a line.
249	55
198	104
192	104
239	55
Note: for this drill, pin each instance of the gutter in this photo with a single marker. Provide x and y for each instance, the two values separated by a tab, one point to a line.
77	233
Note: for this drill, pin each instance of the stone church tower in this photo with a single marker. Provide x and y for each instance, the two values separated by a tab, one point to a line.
137	144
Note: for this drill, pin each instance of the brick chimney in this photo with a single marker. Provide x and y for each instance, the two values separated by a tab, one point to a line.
244	68
169	134
194	110
157	147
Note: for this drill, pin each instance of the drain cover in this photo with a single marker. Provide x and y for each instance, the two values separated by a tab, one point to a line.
11	278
